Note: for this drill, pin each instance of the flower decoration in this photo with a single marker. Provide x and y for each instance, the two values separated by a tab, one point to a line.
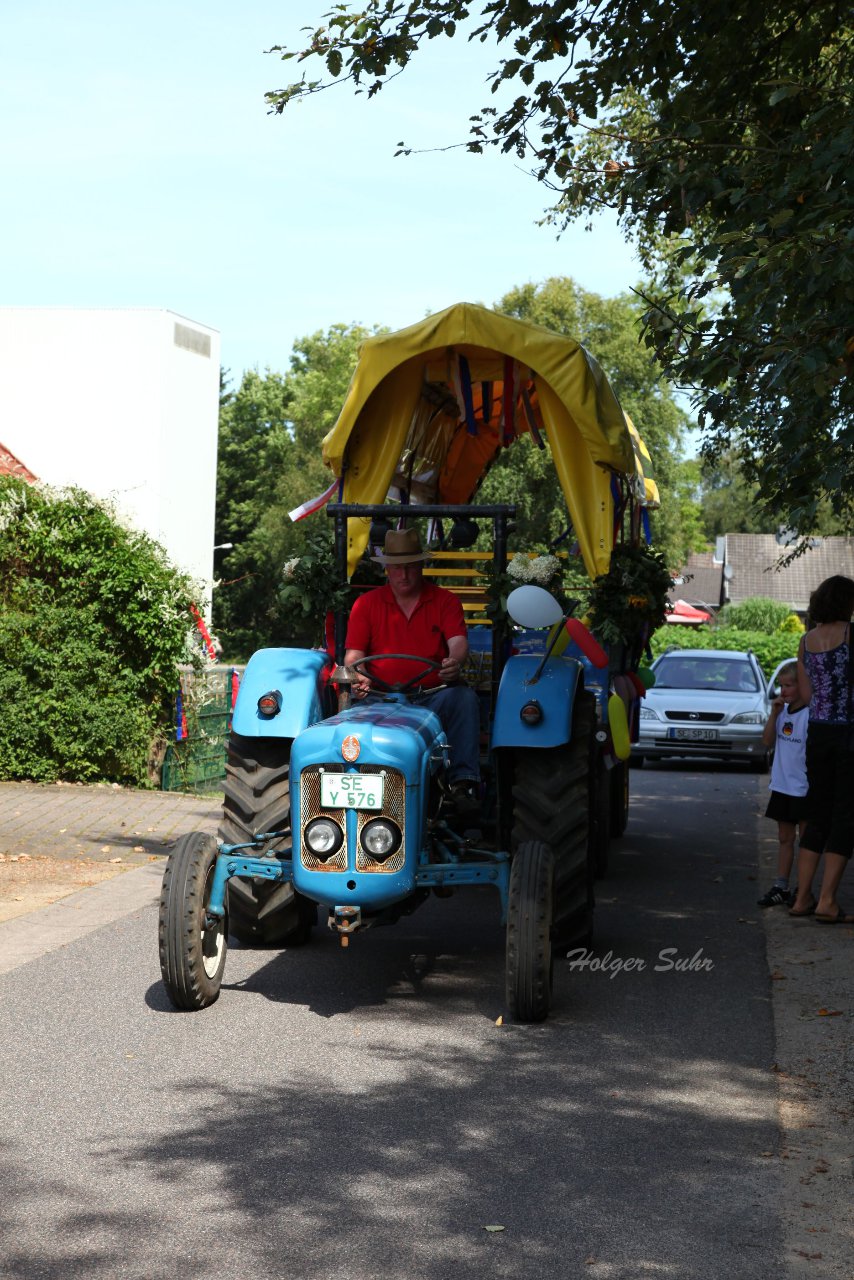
311	584
629	602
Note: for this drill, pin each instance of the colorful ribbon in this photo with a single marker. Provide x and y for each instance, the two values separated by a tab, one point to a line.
531	419
509	396
203	631
314	504
180	718
468	398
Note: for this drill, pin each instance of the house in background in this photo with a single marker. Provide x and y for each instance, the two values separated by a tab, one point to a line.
744	565
123	403
700	582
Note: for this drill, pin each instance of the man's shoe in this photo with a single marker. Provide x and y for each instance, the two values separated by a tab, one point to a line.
465	800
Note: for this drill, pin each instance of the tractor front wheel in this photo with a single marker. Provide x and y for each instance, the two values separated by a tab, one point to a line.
193	945
530	913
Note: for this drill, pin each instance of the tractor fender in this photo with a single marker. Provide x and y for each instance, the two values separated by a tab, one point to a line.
555	692
298	675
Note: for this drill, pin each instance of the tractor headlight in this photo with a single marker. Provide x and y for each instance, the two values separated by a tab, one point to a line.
380	839
324	838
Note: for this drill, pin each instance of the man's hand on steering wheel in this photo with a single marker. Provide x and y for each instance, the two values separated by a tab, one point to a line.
366	682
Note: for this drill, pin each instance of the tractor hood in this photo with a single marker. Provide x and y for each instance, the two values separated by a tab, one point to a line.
394	733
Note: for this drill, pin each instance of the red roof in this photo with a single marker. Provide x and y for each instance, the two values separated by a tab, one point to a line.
12	466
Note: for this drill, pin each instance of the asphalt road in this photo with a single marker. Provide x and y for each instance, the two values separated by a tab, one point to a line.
359	1113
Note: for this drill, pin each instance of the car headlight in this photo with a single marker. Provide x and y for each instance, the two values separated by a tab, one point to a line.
749	717
324	838
380	839
647	713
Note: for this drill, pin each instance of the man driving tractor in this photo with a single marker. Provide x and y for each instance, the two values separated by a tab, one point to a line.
411	615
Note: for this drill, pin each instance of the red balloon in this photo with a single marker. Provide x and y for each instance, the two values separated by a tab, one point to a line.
587	643
640	687
626	689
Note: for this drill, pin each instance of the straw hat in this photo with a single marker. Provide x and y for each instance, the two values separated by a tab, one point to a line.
401	546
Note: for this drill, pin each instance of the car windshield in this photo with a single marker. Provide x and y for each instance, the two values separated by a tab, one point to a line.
724	674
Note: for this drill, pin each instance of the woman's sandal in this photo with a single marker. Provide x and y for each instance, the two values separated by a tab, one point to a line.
810	911
841	917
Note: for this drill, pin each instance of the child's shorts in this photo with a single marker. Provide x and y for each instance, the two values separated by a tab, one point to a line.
783	808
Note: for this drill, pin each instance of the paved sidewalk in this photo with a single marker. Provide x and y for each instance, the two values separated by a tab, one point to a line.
65	823
65	820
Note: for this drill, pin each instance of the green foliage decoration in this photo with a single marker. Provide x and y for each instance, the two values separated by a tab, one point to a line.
629	601
311	585
94	623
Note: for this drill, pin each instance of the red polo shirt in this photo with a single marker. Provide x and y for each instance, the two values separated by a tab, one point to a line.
379	625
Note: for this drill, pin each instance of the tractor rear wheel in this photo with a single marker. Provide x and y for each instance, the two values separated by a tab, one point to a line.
193	946
530	907
619	798
258	800
600	813
551	803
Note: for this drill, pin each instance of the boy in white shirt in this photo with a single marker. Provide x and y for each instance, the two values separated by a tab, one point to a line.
786	731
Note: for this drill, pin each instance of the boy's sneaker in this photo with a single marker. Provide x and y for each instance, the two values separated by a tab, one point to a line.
775	897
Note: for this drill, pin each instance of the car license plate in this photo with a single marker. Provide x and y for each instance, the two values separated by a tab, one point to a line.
693	735
351	790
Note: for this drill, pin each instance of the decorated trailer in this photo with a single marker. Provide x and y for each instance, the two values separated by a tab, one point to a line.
339	810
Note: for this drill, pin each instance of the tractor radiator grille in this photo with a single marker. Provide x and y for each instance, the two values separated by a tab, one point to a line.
394	807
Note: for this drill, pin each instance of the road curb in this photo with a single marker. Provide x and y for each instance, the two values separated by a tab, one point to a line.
25	938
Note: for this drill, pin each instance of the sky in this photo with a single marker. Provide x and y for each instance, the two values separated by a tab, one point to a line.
141	169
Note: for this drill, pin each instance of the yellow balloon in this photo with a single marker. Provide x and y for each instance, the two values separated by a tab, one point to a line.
619	725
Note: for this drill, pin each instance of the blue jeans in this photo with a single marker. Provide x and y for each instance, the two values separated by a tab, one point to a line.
459	714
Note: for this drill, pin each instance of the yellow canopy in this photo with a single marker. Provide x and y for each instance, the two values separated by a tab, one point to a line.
430	406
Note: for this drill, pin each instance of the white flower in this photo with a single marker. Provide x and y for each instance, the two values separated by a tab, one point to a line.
544	568
289	568
520	568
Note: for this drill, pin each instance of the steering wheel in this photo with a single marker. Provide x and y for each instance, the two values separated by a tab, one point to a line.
402	686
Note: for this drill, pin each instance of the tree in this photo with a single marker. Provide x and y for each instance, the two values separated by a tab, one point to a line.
608	327
729	499
269	461
732	503
255	448
727	162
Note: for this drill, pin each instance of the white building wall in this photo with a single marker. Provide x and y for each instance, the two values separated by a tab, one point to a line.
125	404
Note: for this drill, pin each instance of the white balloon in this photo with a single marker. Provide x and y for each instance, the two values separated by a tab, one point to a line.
533	607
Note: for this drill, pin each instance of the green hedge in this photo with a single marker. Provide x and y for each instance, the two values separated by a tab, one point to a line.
93	624
769	649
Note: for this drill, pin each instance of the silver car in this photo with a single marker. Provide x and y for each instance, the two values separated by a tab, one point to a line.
706	702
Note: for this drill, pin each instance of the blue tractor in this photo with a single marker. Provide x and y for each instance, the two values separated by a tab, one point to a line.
340	810
338	813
